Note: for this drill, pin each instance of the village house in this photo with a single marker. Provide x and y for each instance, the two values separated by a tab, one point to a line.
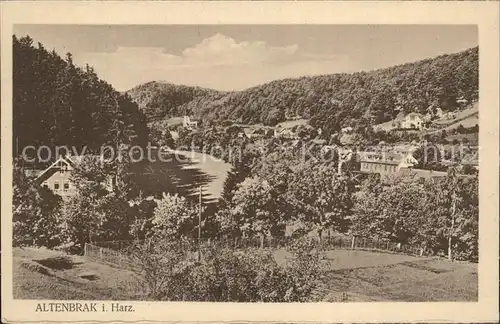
188	123
385	162
252	132
175	135
57	177
471	159
347	129
285	133
410	121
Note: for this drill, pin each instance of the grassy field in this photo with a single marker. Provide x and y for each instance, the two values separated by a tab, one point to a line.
68	277
363	275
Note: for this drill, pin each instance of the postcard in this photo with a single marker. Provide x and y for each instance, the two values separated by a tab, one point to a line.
296	162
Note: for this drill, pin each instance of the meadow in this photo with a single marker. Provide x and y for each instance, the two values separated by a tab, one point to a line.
361	275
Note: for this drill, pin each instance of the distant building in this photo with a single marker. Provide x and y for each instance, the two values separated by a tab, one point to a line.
175	135
347	130
471	159
410	121
254	132
287	133
57	176
439	112
385	162
188	123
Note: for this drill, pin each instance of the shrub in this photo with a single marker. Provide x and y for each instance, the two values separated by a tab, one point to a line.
227	275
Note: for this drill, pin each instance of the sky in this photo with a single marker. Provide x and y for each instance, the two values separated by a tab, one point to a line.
235	57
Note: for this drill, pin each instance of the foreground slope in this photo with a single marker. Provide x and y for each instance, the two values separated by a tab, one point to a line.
363	275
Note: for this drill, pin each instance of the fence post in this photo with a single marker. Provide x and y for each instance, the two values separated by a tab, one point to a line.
85	253
353	242
100	253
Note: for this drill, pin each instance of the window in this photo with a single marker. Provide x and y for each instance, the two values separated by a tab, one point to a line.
66	186
45	184
56	185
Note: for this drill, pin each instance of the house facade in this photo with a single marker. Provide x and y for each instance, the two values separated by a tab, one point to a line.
188	123
385	162
287	133
412	121
57	177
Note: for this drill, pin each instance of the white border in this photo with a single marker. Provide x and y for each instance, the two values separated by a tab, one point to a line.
484	14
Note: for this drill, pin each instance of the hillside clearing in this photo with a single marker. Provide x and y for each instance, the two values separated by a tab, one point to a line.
83	280
363	275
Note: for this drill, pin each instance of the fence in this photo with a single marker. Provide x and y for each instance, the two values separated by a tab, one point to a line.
327	243
107	255
114	252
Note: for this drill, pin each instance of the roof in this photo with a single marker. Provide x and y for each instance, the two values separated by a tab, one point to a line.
471	159
249	130
71	160
319	141
381	157
405	148
415	114
53	167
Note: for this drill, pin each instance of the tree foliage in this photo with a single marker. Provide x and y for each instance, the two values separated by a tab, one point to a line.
57	103
420	213
322	198
36	218
175	217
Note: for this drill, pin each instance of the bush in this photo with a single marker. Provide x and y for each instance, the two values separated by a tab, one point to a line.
227	275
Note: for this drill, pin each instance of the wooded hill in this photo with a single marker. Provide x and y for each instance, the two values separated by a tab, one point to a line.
58	103
329	101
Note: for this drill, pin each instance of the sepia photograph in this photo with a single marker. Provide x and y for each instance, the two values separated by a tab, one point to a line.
244	163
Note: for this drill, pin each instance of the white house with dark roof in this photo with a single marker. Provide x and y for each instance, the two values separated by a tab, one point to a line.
188	123
411	121
385	162
57	177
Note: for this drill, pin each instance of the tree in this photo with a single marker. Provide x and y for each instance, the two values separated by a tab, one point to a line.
35	213
98	210
175	217
388	211
253	208
143	214
323	199
440	214
242	166
57	103
469	169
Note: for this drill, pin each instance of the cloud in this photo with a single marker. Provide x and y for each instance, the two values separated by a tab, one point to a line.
223	50
218	62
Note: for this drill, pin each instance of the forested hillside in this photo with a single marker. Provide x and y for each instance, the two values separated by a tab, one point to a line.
329	101
58	103
158	100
